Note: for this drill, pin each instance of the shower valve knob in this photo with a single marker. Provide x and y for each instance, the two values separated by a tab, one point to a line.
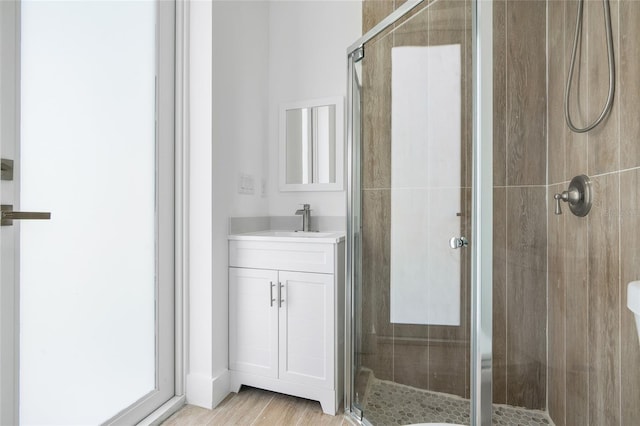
571	197
558	198
578	196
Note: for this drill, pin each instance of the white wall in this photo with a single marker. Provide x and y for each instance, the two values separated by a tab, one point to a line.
240	78
240	60
308	43
246	58
200	292
228	128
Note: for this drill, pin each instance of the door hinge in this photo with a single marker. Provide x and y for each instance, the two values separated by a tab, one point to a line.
358	54
7	169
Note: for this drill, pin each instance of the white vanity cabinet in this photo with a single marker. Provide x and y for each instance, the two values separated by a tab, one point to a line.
286	317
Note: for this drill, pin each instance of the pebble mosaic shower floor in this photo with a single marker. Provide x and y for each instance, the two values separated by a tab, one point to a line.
388	403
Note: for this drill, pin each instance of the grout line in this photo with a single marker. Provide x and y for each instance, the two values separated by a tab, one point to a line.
506	297
620	306
506	91
546	202
615	172
506	200
547	54
563	135
521	186
565	141
588	285
495	186
631	169
419	187
620	283
564	326
585	23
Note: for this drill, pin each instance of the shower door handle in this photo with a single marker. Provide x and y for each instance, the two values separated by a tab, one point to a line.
9	215
457	242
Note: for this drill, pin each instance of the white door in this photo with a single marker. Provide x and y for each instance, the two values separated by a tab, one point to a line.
87	297
253	321
306	328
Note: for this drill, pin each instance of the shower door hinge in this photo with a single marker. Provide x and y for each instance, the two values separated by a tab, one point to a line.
358	54
357	412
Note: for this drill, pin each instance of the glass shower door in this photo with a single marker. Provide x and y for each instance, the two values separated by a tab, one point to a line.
411	218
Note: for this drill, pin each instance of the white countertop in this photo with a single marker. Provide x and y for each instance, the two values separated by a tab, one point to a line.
332	237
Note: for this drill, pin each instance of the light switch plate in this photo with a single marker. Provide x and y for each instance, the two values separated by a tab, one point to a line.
246	184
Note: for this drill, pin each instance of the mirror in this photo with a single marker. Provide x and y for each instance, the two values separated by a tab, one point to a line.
311	145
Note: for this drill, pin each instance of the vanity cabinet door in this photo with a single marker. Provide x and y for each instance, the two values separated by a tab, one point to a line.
253	321
307	328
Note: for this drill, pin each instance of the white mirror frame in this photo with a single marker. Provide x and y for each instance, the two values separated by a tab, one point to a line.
338	185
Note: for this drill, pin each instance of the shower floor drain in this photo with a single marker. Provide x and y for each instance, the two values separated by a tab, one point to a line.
388	403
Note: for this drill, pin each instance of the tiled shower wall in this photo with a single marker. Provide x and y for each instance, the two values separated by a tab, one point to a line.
594	353
520	219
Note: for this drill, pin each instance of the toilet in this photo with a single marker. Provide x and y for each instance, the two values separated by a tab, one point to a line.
633	302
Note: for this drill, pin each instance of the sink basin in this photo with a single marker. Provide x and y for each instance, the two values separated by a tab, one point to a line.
291	236
295	234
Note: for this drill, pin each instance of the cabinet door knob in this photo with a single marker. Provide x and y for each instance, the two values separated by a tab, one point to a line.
280	299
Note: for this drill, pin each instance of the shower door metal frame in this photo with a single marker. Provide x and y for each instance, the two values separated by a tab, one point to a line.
482	215
482	209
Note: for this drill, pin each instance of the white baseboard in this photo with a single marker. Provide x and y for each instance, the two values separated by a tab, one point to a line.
199	390
220	388
205	391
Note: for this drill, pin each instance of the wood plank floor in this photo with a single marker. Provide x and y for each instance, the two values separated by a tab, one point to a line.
257	407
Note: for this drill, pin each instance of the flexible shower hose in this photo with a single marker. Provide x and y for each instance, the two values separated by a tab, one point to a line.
576	40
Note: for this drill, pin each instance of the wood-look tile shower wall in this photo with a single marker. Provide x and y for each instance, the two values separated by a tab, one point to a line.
520	219
594	354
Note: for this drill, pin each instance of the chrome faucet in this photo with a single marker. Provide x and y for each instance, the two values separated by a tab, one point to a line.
305	211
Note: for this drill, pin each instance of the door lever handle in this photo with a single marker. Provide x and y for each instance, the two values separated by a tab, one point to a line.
9	215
